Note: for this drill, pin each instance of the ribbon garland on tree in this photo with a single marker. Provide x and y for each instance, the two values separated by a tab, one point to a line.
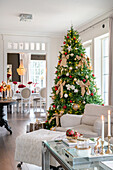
60	88
83	85
83	60
56	116
64	60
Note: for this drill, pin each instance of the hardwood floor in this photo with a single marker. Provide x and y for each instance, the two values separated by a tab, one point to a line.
18	124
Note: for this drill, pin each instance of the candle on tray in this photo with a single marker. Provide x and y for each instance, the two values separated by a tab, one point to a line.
102	117
109	124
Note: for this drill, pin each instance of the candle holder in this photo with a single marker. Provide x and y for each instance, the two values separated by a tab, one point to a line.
109	151
102	148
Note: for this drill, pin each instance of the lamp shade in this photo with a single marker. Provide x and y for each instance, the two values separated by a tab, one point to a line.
21	70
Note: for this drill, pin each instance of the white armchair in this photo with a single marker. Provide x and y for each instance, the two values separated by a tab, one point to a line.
89	124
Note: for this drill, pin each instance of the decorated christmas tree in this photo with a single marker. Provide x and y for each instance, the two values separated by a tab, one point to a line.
74	82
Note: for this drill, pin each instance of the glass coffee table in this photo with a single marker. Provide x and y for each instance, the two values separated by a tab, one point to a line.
68	159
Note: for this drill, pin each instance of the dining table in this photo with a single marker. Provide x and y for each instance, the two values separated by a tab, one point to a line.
3	121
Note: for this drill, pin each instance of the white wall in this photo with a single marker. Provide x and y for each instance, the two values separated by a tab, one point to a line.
52	48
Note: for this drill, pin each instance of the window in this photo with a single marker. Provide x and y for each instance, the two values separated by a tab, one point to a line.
88	48
101	66
105	69
38	71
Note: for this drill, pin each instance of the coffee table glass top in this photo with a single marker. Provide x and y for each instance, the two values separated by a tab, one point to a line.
72	161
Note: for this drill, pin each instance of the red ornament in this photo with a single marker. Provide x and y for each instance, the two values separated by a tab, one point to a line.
69	132
102	104
84	80
70	76
54	106
58	77
92	94
56	72
93	75
67	36
65	53
46	121
74	38
71	101
64	107
56	88
32	91
81	54
60	61
64	42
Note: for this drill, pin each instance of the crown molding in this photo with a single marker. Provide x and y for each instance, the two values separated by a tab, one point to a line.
95	20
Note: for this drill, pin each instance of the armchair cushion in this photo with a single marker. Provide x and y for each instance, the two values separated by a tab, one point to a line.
69	120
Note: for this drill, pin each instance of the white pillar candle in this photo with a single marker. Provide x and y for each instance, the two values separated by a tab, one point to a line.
102	117
109	124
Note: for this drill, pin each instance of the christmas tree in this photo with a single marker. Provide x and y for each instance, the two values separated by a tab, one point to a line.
74	83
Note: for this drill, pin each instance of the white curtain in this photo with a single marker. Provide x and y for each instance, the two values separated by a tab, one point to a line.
26	60
111	61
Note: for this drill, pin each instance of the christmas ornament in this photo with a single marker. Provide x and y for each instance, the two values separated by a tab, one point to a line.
60	88
70	76
70	68
82	85
87	76
76	67
74	38
76	106
75	79
64	107
84	102
65	53
71	54
84	80
58	77
56	88
93	75
67	74
71	101
64	42
92	94
76	91
70	132
67	36
69	48
64	60
54	106
56	72
65	95
62	52
53	97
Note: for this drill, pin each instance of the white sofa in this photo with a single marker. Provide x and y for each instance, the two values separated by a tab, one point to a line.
89	124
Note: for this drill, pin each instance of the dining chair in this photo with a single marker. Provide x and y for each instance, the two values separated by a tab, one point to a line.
25	99
41	99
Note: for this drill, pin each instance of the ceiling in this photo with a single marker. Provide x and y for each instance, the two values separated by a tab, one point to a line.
50	16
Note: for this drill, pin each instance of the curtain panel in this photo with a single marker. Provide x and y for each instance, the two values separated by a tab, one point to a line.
110	61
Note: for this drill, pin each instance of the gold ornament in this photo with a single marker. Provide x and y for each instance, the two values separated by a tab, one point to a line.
53	97
76	106
69	62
